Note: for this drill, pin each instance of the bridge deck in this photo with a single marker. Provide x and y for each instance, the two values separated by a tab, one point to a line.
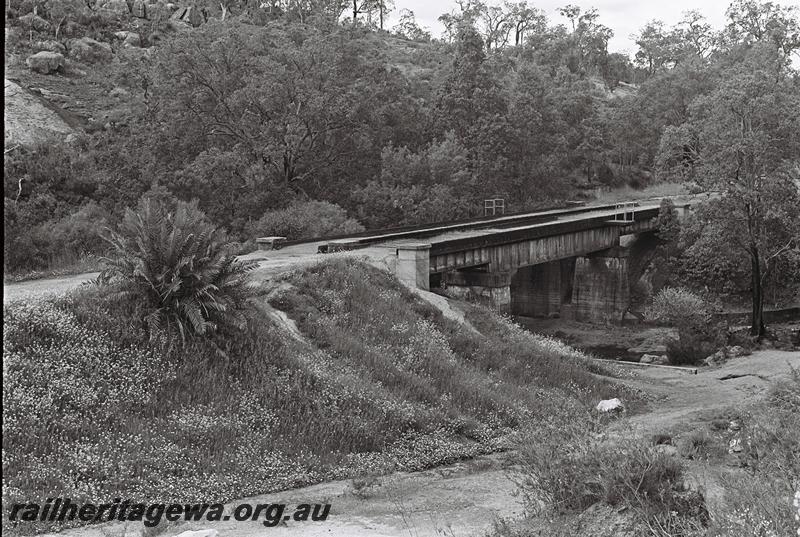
453	241
481	226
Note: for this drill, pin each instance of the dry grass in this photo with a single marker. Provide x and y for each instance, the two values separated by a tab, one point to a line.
379	381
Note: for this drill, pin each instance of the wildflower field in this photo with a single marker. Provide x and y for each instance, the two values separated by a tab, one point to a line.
96	408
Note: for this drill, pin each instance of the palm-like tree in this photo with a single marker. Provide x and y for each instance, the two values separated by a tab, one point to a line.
177	265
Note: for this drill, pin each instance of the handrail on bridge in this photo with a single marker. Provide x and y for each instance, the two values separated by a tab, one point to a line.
625	212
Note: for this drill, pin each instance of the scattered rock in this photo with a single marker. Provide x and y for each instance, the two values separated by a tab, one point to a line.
666	449
190	15
654	359
88	50
735	351
648	358
36	22
51	46
661	360
716	358
735	446
46	62
129	39
117	6
610	405
734	426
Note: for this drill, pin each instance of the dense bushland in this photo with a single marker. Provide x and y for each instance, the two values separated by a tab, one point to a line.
378	381
295	107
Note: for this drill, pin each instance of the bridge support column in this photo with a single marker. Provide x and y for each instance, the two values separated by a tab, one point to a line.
541	290
414	265
490	288
601	291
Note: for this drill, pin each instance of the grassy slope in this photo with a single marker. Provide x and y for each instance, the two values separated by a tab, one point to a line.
378	381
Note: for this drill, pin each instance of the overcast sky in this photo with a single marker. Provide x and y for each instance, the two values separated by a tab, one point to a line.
625	17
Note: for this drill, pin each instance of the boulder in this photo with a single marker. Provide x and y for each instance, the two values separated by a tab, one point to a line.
46	62
661	360
717	358
735	351
51	46
610	405
28	121
666	449
36	22
129	39
189	15
87	50
133	40
119	7
648	358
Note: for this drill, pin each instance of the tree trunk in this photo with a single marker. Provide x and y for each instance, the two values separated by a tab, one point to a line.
757	328
380	10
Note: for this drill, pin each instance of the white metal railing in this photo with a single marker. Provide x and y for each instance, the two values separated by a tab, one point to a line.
494	206
624	212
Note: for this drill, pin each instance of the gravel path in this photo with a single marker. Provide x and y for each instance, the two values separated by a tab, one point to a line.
270	264
46	286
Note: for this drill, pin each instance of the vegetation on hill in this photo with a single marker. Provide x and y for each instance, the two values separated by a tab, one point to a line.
307	108
372	379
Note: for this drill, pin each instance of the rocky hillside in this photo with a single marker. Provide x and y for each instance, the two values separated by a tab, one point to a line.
83	73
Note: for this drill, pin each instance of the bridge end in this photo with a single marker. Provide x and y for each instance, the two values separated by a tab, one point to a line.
413	264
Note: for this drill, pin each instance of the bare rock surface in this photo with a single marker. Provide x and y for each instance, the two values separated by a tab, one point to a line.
28	120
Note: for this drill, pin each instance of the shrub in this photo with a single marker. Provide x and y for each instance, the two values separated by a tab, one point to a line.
55	245
691	314
176	266
79	232
567	472
305	220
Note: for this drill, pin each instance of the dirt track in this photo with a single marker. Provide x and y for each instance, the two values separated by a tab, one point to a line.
270	264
